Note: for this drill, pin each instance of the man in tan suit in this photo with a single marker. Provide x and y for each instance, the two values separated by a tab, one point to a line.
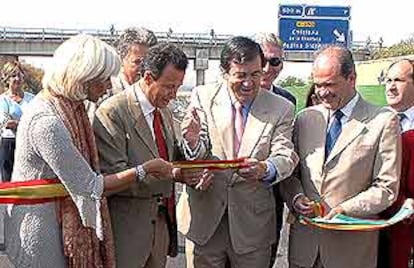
132	127
350	157
235	218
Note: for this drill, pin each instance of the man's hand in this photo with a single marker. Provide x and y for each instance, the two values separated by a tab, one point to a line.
158	168
200	179
191	127
304	206
255	171
333	212
12	124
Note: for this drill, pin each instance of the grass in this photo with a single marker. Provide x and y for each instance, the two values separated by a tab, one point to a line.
374	94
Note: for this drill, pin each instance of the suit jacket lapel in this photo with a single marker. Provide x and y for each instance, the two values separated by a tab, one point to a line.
321	131
255	125
141	125
221	110
350	130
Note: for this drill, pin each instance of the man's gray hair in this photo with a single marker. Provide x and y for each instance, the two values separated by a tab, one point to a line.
134	36
77	62
271	38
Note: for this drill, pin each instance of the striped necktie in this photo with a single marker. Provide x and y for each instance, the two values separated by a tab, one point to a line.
334	132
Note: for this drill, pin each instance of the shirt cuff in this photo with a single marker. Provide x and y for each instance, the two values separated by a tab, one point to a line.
189	153
271	174
296	197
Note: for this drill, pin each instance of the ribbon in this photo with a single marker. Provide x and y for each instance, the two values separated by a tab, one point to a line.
212	164
31	192
342	222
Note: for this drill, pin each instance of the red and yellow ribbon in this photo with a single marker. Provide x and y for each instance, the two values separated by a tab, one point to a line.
213	164
31	192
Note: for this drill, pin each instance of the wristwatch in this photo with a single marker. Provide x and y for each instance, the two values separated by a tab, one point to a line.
140	173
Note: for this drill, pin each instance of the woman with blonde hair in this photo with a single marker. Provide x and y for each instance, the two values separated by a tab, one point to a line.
12	104
55	141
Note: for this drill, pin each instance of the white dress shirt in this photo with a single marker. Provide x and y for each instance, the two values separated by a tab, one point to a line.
408	122
147	108
346	110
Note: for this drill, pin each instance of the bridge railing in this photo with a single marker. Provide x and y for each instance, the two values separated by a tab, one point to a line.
58	35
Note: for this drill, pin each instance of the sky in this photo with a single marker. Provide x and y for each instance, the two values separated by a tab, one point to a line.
387	19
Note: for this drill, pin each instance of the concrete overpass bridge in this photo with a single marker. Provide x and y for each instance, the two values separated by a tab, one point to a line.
199	47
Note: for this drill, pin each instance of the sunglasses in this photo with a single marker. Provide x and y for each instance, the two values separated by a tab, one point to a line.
275	62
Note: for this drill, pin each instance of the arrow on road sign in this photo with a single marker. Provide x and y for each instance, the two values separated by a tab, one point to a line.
340	37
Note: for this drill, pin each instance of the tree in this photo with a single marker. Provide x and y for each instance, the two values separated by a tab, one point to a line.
32	80
404	47
291	81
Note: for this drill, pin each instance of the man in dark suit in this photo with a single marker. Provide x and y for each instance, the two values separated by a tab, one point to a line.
273	52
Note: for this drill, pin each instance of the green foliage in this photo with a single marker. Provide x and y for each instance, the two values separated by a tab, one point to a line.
404	47
372	94
33	78
291	81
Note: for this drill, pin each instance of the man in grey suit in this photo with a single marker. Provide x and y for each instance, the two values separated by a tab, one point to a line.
235	218
135	126
350	160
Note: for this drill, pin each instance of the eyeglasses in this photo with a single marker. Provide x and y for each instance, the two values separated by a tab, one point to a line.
275	61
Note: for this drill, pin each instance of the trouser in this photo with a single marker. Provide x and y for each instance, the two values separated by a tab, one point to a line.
7	147
159	249
317	264
383	260
279	222
219	250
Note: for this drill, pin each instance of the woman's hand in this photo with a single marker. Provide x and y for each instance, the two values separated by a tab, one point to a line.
158	168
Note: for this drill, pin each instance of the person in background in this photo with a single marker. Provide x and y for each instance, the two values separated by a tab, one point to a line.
55	142
311	98
12	104
397	242
272	48
350	160
132	46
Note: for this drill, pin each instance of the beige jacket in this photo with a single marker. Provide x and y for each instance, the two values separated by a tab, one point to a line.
361	174
250	206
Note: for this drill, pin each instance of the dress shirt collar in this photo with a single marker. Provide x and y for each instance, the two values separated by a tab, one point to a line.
409	113
349	107
146	106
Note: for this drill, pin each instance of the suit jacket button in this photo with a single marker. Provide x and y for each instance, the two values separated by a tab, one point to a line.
153	221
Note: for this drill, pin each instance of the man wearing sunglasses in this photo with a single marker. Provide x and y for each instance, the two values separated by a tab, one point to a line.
273	52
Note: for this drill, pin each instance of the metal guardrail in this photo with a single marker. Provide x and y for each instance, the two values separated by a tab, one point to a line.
59	35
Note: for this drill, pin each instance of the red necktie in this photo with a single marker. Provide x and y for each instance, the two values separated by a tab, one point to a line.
159	137
169	203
